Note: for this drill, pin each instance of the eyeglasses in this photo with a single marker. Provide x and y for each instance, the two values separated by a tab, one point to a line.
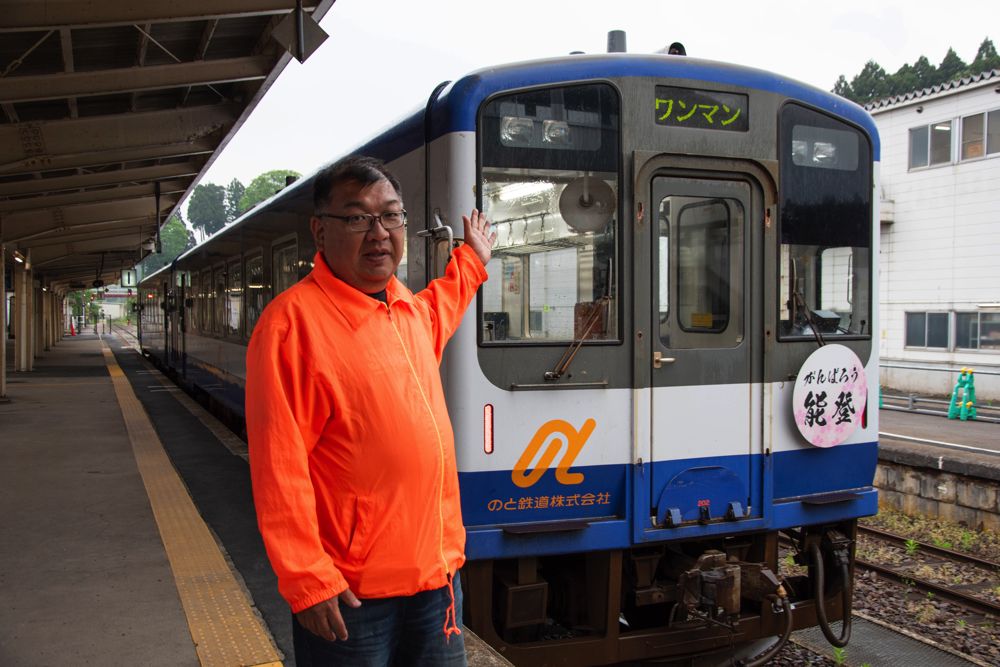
365	222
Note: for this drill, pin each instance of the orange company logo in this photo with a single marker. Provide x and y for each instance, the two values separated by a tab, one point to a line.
550	432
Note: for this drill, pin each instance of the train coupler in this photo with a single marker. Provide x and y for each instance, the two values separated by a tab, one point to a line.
712	586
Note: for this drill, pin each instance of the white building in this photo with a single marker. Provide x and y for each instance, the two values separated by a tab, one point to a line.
939	269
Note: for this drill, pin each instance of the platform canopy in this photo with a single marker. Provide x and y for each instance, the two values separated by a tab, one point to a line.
105	104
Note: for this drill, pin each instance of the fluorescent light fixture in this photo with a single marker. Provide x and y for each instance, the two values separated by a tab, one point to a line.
522	190
18	257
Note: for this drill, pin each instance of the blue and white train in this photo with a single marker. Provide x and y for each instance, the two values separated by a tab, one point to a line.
676	239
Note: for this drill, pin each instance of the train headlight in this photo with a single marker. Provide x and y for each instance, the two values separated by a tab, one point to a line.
556	132
517	131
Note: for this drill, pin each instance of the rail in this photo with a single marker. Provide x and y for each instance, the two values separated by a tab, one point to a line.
911	403
937	369
127	332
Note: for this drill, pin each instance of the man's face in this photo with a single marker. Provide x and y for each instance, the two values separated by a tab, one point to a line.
363	260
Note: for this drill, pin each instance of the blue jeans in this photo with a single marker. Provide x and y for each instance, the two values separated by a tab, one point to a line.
389	631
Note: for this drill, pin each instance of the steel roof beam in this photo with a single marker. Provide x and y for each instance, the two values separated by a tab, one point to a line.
33	88
124	236
72	199
103	158
82	181
100	133
38	236
47	14
33	223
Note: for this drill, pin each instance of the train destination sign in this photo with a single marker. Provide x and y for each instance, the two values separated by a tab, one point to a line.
702	109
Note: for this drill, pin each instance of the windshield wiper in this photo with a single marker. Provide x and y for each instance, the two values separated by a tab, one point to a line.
810	316
562	366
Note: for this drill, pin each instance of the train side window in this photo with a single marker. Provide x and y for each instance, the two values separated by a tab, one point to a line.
193	323
218	300
205	303
285	267
550	183
234	299
254	291
825	197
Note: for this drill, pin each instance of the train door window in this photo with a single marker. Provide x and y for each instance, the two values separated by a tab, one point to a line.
254	291
825	227
234	299
285	267
699	261
707	261
218	300
550	184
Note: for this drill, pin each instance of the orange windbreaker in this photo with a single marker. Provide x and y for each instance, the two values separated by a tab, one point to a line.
352	455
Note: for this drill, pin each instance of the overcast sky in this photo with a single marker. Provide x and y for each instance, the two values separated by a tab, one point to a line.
384	57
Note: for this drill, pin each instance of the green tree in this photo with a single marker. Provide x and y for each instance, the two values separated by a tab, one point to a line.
174	239
904	80
872	83
986	58
264	187
926	73
76	302
951	68
234	192
207	208
843	88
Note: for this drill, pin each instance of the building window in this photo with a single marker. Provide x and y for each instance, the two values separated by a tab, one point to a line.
927	330
993	132
930	144
977	331
918	147
981	135
972	136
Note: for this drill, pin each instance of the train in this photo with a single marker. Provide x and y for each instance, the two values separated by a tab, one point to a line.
659	396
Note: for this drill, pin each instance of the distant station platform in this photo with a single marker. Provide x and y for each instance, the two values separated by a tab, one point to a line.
963	447
128	532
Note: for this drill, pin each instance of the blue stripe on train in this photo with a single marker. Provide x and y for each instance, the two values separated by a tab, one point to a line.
493	505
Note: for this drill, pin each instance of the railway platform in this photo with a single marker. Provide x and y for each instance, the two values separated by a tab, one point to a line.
128	530
129	534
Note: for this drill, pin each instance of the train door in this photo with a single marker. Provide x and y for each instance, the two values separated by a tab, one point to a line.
705	408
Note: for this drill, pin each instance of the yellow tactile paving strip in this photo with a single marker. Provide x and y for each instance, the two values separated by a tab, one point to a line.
225	629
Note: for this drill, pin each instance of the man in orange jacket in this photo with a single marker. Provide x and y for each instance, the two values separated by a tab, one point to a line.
352	454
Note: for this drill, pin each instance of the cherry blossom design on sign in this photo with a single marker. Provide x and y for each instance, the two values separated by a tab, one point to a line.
830	394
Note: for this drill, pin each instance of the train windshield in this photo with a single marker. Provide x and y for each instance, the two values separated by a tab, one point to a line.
553	272
826	212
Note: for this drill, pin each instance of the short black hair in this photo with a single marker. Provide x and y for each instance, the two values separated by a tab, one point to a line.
359	168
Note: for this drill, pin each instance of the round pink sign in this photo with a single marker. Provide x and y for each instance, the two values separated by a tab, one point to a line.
830	395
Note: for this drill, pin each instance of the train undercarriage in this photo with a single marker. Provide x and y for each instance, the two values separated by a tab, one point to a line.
714	601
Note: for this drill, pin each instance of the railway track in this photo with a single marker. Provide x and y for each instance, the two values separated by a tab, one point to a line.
911	561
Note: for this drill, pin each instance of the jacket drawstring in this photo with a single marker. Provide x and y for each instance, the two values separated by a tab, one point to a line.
450	620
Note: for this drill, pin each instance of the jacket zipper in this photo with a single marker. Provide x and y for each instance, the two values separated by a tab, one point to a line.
437	431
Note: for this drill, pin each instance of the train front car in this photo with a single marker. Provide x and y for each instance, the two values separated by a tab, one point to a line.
668	366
